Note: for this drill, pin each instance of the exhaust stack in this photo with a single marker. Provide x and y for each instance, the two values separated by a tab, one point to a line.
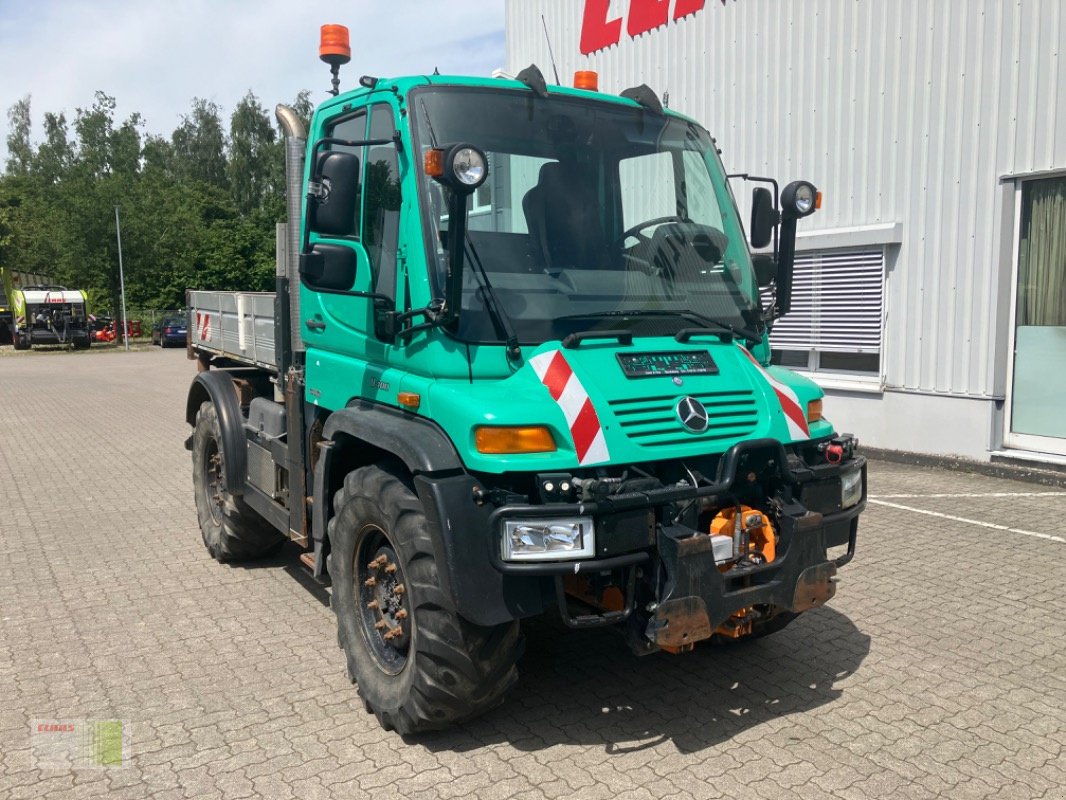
289	256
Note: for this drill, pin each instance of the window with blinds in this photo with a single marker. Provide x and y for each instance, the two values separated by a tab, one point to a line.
835	321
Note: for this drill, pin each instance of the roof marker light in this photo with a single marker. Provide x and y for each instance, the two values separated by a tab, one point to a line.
587	79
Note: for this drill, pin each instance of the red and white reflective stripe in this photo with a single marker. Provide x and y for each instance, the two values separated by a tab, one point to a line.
555	373
795	415
203	323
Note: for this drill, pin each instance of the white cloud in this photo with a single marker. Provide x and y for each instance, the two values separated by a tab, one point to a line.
154	57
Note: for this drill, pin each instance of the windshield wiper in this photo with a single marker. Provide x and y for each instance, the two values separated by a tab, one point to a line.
701	322
492	304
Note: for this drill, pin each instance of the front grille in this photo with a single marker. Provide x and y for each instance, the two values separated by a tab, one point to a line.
651	421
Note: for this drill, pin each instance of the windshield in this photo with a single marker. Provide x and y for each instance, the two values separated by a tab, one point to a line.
593	216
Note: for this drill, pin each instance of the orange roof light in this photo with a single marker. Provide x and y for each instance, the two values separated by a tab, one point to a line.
333	47
434	163
587	79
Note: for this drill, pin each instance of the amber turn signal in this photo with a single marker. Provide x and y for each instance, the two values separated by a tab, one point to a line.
814	410
333	47
817	199
500	440
409	400
434	163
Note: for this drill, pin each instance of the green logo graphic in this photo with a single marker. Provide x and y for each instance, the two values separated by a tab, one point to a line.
102	742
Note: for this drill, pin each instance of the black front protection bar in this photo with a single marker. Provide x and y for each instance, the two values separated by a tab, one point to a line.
771	454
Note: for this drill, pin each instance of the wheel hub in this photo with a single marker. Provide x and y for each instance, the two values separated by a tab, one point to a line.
385	607
213	474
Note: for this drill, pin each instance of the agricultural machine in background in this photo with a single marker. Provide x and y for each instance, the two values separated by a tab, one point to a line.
41	312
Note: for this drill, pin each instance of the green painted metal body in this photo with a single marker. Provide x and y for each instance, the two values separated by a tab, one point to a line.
466	385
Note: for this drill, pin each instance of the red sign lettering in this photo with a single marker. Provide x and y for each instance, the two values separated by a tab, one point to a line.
596	32
599	33
686	7
647	15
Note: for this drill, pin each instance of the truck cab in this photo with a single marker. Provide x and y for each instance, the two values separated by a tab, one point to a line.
519	364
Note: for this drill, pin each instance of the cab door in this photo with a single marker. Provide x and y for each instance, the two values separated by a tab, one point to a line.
347	321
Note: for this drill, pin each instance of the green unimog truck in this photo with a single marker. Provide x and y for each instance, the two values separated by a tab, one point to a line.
516	364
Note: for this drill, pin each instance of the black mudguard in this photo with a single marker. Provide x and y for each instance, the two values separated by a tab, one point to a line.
217	386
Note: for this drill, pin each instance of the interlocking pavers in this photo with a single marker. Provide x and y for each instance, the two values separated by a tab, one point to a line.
939	670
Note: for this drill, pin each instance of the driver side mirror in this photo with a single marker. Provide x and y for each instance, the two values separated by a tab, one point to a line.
333	210
763	217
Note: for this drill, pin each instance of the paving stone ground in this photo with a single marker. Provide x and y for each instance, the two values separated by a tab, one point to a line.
939	670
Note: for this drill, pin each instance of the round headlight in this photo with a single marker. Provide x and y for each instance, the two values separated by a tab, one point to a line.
804	198
468	166
799	199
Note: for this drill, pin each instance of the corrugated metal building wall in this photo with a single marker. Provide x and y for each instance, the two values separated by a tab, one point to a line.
907	114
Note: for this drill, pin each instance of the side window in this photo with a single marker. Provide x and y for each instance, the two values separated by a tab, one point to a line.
381	198
353	129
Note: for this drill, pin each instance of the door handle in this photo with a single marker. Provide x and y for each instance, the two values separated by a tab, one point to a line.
315	324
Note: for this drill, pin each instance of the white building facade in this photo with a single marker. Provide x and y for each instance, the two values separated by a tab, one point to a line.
930	297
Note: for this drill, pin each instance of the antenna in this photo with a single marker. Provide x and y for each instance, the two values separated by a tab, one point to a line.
550	53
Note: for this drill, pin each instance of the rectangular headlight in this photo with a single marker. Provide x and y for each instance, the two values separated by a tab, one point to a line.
559	539
850	487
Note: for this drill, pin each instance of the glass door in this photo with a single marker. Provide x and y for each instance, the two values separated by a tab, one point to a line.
1037	399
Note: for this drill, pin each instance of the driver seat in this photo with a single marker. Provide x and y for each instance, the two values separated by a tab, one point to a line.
563	217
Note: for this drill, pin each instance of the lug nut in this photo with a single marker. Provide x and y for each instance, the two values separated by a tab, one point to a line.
370	582
372	605
390	569
400	589
380	624
401	614
392	634
378	562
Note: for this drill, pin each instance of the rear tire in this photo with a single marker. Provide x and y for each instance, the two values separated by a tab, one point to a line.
419	666
19	342
232	531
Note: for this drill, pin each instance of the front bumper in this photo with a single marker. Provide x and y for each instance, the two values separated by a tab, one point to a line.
698	598
693	596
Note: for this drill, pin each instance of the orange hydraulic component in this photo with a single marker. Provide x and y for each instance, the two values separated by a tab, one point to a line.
760	534
758	531
611	599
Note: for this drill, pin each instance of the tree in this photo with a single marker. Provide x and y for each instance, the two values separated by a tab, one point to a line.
196	213
199	144
252	151
19	149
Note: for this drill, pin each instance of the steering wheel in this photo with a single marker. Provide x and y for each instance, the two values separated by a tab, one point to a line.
635	231
643	264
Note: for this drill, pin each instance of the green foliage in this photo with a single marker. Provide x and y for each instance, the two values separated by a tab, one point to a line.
198	209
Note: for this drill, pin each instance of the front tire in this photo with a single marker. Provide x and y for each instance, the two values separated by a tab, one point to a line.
231	530
419	666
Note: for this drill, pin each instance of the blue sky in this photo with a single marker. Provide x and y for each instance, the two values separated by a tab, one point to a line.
154	56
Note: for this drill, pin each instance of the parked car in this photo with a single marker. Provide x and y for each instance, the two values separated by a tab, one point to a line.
170	331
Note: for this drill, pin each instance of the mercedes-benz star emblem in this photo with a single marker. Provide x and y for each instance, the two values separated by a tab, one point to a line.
691	414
